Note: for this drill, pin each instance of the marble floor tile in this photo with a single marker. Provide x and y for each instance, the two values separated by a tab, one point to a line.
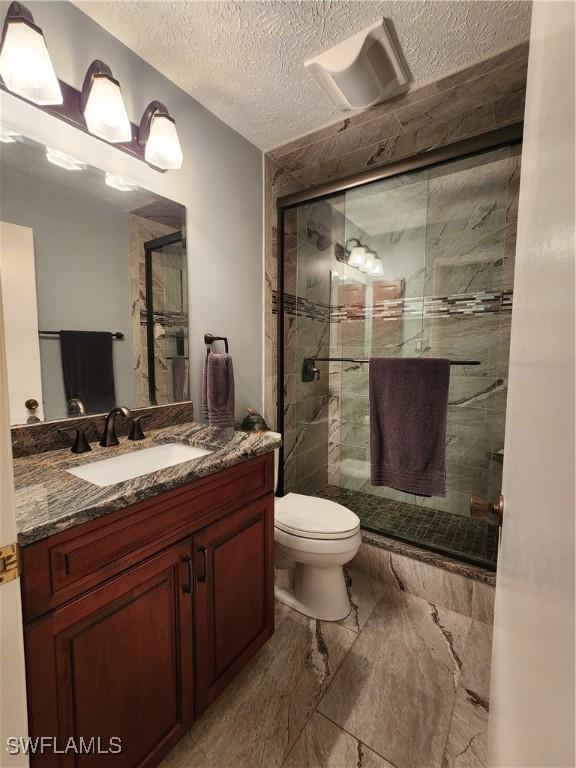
257	719
396	689
364	594
324	745
467	739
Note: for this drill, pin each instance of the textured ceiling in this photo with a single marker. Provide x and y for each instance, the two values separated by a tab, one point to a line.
244	60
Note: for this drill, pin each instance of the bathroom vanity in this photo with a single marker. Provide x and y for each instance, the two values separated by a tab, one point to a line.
136	619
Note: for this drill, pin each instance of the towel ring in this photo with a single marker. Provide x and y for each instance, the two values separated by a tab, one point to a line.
209	338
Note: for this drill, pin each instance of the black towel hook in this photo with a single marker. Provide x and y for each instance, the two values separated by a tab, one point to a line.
209	338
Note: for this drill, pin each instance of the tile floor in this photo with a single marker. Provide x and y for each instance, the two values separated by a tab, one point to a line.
399	683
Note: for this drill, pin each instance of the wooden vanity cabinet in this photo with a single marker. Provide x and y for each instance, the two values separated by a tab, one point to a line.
234	598
141	653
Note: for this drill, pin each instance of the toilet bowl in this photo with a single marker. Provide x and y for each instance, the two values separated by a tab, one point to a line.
319	537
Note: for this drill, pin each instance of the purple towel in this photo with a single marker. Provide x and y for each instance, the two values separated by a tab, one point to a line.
218	390
408	402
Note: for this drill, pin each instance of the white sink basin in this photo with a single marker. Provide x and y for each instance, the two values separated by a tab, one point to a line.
137	463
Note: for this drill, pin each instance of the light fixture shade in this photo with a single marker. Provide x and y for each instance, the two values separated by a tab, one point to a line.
9	137
104	111
163	146
377	269
368	262
62	160
357	257
25	64
120	183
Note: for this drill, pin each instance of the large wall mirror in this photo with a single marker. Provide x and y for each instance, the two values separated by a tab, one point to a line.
94	288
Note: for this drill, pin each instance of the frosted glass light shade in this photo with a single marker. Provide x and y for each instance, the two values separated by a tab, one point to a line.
368	262
62	160
105	113
357	257
377	267
120	183
163	146
9	137
25	64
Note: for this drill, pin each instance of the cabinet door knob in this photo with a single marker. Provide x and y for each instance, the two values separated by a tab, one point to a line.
188	587
202	575
31	404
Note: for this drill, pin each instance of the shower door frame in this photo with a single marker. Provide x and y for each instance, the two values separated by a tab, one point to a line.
501	137
150	246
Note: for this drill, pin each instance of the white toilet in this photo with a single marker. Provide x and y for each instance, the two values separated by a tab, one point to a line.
319	537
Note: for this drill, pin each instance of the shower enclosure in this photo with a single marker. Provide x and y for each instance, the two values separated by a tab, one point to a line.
418	263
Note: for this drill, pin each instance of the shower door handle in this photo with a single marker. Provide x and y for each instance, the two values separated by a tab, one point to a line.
484	509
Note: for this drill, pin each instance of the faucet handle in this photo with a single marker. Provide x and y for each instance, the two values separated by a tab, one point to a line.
136	432
81	444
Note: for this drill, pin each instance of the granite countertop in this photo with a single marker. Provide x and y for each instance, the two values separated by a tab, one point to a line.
50	500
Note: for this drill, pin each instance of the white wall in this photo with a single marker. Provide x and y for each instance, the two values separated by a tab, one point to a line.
220	184
532	717
81	252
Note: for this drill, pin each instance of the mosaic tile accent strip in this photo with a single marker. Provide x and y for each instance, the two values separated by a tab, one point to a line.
296	306
472	540
479	303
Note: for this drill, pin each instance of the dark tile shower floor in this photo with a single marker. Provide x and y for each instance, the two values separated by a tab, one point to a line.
474	541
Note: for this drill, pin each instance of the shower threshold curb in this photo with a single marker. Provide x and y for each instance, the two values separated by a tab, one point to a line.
415	552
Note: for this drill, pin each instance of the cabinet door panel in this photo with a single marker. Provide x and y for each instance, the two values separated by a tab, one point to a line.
123	665
234	595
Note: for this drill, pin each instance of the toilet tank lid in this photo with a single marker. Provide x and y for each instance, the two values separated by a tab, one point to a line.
312	515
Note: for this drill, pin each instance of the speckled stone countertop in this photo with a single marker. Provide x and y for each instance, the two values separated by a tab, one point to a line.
50	500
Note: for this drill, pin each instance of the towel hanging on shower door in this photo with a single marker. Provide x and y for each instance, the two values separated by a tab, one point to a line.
408	407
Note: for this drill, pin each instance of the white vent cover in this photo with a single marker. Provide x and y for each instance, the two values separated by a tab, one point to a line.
363	70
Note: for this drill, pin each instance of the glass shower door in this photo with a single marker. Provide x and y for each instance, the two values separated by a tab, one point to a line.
420	264
379	309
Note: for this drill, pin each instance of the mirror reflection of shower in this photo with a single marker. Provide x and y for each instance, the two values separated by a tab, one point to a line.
166	319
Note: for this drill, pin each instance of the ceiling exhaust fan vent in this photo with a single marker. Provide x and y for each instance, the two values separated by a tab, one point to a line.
364	70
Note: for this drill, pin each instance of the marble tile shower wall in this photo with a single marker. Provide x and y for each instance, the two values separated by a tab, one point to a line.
481	97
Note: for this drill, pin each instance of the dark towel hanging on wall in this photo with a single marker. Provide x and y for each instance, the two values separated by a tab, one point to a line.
88	368
408	406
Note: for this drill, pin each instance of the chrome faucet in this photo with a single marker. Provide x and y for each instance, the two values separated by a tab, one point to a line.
109	435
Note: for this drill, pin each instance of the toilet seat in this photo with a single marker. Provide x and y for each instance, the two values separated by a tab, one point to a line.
309	517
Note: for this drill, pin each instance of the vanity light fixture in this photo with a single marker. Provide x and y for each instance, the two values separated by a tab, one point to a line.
357	256
9	137
62	160
26	70
377	269
368	262
159	137
25	64
103	106
120	183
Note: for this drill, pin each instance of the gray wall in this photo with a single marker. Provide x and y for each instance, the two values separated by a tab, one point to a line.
220	183
81	252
